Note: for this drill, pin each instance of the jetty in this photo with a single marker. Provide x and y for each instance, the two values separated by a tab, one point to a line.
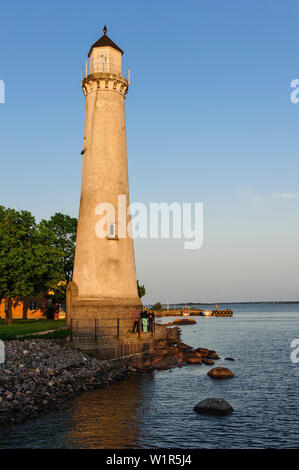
193	313
222	313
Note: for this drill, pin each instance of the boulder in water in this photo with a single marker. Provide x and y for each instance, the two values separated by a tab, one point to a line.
214	406
208	362
193	360
220	373
164	363
213	355
202	351
184	321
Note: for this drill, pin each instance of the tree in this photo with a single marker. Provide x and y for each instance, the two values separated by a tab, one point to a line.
157	306
29	260
141	290
65	230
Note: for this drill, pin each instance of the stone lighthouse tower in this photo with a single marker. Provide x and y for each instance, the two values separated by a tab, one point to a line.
104	286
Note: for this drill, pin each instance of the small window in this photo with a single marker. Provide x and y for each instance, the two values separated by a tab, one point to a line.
101	62
33	305
111	231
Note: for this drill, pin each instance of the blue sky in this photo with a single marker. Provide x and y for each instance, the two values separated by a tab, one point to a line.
209	119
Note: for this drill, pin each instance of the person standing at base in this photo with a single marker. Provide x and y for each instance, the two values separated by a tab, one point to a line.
151	319
144	320
136	317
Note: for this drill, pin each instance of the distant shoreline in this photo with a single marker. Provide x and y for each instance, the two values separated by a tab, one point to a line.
271	302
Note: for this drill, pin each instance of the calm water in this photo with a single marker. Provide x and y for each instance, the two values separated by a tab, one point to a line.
156	410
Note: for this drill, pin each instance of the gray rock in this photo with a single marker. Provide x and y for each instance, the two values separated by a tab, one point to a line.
214	406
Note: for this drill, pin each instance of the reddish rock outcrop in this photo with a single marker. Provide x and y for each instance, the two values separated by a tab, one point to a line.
220	373
203	352
184	321
164	363
193	360
213	355
208	362
170	352
183	346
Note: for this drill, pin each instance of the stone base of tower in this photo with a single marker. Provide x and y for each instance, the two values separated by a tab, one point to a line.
104	327
111	349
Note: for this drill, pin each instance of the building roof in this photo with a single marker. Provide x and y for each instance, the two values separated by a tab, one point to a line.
105	41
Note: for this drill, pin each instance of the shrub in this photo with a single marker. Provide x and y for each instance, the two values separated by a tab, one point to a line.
157	306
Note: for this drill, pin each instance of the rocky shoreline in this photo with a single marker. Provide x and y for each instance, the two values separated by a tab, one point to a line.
40	376
171	352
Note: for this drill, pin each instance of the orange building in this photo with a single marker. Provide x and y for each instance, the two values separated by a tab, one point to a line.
36	307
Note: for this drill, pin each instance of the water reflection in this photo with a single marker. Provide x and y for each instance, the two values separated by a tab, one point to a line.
111	418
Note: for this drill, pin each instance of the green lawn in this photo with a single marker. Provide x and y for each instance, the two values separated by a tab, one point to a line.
24	327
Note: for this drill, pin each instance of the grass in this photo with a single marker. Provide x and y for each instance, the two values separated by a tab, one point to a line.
25	327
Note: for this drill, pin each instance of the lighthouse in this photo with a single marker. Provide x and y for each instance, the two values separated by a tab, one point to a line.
104	287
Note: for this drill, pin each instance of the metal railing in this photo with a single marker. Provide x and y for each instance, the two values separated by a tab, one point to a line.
96	329
110	66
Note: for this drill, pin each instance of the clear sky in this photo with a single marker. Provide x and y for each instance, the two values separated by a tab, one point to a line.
209	119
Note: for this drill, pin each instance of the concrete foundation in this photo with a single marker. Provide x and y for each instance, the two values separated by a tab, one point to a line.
111	349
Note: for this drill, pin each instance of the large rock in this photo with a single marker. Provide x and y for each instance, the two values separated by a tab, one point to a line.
164	363
160	352
208	362
213	355
183	346
191	353
207	353
173	350
220	373
214	406
160	344
193	360
173	335
140	362
202	351
184	321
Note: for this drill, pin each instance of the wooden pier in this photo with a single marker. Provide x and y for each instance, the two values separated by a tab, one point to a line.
222	313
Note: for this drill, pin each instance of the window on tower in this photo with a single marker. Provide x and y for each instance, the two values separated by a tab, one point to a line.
111	231
102	62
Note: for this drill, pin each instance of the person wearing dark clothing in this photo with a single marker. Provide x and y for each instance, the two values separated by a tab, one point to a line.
151	319
136	317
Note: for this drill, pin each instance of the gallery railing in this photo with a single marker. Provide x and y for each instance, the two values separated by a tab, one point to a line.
93	66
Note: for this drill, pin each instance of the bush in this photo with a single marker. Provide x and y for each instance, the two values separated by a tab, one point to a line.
157	306
141	290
